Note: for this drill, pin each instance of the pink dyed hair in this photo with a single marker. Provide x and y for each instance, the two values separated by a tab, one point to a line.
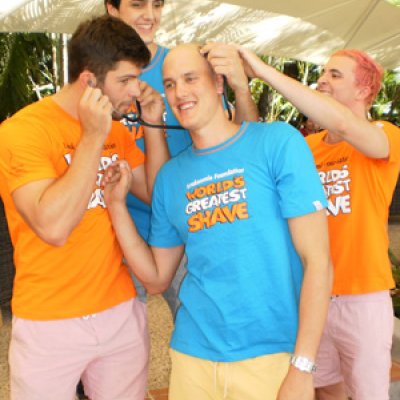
368	72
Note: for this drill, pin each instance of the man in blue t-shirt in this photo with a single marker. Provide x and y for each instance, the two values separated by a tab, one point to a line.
145	16
246	205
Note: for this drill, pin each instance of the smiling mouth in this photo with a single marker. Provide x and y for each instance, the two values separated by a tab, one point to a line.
145	27
186	106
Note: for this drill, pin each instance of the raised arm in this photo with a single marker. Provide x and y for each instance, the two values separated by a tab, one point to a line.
154	267
154	139
310	237
324	110
226	61
53	207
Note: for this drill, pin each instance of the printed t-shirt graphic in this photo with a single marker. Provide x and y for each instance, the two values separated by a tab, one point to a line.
220	202
359	191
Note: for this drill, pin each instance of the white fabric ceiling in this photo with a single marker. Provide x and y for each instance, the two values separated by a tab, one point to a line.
307	29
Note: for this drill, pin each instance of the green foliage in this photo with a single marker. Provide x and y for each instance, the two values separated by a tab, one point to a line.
272	106
25	63
394	2
387	103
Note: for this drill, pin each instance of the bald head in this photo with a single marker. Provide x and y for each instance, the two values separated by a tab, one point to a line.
186	55
191	86
186	47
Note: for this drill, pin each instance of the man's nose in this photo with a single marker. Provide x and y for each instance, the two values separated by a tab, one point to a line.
180	89
148	10
322	79
134	88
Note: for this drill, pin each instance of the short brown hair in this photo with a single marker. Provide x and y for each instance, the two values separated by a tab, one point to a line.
100	43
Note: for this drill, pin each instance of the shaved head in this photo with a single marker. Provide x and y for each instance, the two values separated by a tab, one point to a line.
188	51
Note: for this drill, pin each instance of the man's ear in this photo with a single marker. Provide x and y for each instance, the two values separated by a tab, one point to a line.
87	78
219	81
114	12
363	92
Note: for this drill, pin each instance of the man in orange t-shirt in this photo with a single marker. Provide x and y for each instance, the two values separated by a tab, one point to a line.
359	167
75	313
358	162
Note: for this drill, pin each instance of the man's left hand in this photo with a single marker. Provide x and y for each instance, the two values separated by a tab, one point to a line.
151	103
225	60
297	385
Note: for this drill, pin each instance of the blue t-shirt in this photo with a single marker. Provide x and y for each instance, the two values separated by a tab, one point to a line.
229	206
177	140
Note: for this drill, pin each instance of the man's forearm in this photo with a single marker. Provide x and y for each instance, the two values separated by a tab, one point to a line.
298	385
63	202
327	112
245	107
157	154
314	301
323	110
310	237
137	253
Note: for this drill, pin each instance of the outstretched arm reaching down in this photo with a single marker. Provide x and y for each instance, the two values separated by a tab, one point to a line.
155	267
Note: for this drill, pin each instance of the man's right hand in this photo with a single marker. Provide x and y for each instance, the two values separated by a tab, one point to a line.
117	182
95	110
253	65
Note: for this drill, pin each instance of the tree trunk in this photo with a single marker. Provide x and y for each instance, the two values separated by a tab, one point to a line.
263	103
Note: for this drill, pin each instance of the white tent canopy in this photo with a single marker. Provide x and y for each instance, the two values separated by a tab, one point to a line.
308	29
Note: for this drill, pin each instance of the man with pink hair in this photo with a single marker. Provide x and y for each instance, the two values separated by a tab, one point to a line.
358	166
358	162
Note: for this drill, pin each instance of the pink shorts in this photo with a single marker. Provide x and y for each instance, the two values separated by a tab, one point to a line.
356	345
108	350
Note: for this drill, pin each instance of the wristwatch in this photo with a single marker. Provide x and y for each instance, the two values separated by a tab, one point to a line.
303	364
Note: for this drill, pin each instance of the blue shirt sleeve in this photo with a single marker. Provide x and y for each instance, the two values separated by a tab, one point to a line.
298	183
162	233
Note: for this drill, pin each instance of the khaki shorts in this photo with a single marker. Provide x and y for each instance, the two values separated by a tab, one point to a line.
256	378
356	345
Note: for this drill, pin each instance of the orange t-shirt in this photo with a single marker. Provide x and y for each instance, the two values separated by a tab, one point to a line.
86	275
359	191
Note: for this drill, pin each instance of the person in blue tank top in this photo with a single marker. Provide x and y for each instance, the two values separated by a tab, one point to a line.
145	16
246	205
